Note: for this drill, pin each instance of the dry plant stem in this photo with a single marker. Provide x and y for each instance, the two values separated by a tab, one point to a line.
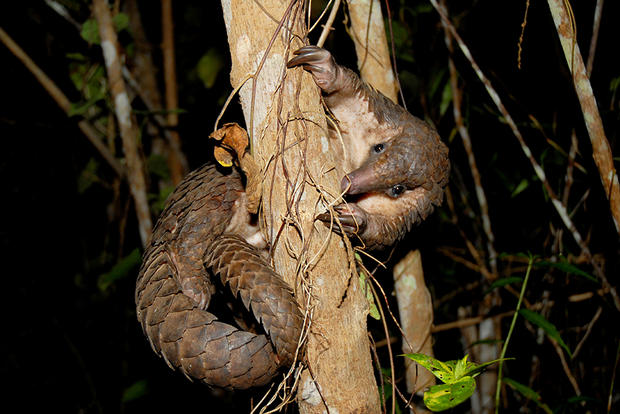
540	173
328	24
601	151
597	315
62	10
178	164
276	103
128	129
144	68
598	12
61	100
572	154
464	133
373	56
567	371
613	379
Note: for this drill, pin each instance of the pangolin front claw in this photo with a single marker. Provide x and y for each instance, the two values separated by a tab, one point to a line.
351	217
320	63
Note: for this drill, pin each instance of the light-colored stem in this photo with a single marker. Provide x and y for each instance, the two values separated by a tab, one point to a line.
473	165
373	56
328	24
298	162
127	126
601	151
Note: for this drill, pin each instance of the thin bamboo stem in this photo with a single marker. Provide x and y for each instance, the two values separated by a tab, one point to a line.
127	126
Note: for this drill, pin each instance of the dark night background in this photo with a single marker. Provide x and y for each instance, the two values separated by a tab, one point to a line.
73	345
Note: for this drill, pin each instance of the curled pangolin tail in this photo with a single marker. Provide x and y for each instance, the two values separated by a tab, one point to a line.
187	336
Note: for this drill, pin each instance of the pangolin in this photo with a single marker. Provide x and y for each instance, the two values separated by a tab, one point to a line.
398	168
397	164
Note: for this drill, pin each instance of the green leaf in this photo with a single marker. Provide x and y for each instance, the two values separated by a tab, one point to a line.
88	176
209	66
121	22
373	310
135	391
446	98
477	369
90	32
90	28
76	56
522	186
445	396
442	370
545	325
120	270
80	108
503	282
565	266
527	392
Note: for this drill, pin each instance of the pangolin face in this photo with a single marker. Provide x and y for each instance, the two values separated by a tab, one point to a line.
399	164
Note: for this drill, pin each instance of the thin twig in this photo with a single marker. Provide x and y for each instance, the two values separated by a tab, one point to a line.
567	371
596	26
597	315
127	127
464	133
328	24
61	100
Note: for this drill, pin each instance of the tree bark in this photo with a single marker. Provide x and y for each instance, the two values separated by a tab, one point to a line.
301	176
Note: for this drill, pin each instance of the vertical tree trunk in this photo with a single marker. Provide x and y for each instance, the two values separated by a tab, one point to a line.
373	57
285	120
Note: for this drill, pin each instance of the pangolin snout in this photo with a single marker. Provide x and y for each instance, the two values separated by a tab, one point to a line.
359	181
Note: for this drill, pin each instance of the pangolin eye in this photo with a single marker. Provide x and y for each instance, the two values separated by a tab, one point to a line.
379	148
397	190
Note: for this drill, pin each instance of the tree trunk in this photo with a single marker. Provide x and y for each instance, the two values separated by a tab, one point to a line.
301	176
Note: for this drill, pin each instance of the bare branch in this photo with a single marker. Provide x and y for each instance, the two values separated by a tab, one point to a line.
122	107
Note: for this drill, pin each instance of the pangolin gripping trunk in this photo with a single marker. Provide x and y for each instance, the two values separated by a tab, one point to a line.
398	168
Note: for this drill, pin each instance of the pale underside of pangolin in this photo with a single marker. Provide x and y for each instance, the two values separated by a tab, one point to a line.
190	245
